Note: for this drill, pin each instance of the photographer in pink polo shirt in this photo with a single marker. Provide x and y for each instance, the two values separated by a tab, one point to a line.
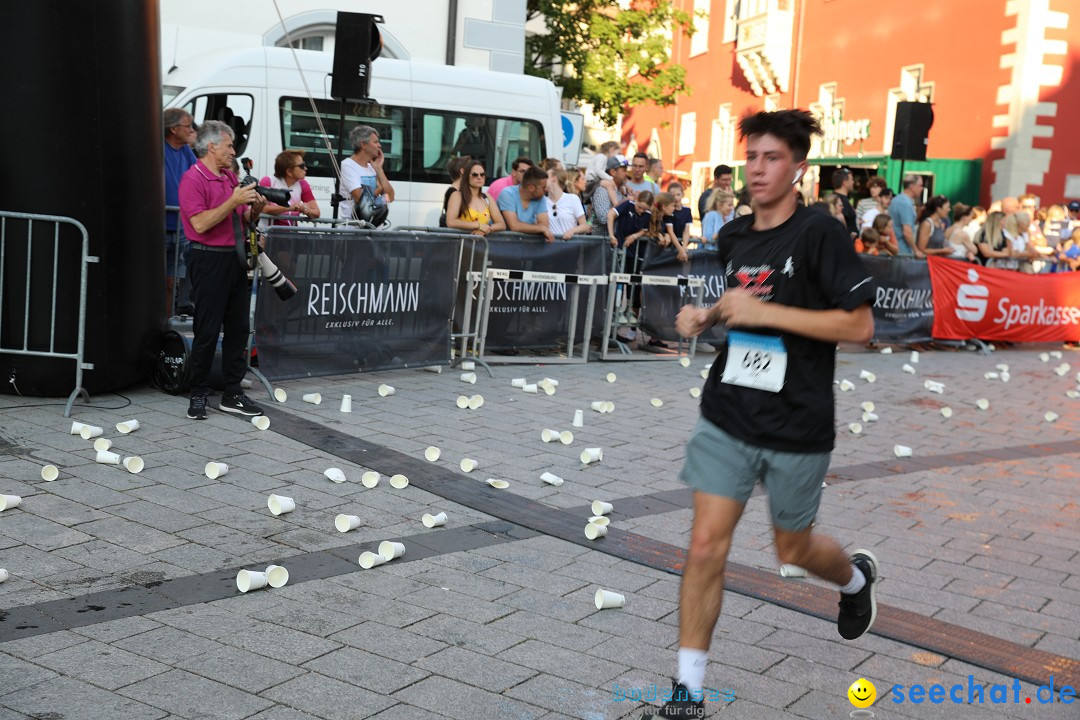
213	209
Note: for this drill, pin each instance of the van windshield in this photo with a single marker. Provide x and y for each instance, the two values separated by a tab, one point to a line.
169	93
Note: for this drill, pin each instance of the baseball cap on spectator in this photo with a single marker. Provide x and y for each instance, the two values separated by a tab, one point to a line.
617	161
1074	206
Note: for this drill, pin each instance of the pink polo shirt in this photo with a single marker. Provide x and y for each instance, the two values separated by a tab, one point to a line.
201	190
498	186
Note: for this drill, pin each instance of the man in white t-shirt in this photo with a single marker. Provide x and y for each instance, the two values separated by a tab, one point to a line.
363	172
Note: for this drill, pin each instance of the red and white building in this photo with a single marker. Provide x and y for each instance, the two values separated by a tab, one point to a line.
1003	77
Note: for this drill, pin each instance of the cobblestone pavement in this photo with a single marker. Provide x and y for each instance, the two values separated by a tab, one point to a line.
122	604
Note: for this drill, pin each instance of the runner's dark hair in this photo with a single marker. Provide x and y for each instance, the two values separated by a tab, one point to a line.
793	127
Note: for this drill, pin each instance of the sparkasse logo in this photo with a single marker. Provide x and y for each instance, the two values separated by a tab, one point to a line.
971	300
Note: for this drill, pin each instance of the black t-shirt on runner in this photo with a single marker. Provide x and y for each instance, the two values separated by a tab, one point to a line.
807	262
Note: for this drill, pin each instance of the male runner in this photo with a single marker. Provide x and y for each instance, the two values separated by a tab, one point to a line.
796	288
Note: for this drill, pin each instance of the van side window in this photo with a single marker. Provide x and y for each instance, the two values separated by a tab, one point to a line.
300	131
233	110
495	141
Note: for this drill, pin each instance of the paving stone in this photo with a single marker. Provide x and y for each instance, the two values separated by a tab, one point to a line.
563	663
16	674
73	700
280	643
389	642
456	700
194	696
240	669
368	671
328	698
113	630
473	668
572	699
402	711
566	635
100	664
31	647
167	645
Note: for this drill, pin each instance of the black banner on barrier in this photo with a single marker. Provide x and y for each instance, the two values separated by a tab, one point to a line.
535	315
364	301
903	304
660	304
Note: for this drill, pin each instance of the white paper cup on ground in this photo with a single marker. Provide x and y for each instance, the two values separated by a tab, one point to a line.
901	451
914	357
610	377
867	376
248	580
50	473
566	437
8	502
4	575
886	351
552	479
133	464
518	382
1056	354
869	417
346	403
476	402
434	521
792	571
599	406
600	520
498	484
548	435
108	457
868	406
1045	357
982	404
609	407
599	507
386	390
313	398
345	523
1062	369
684	361
128	426
855	428
1003	367
605	599
990	375
437	369
468	377
102	444
1050	417
1074	394
390	550
908	369
846	385
76	427
462	402
548	388
369	479
468	365
695	392
369	560
579	419
531	389
1005	377
276	576
334	474
261	422
214	470
656	402
399	482
279	504
591	455
593	531
704	374
280	395
432	453
468	465
551	381
946	412
88	432
245	384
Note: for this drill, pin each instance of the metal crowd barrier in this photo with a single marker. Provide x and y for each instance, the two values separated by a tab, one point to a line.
575	281
611	324
85	259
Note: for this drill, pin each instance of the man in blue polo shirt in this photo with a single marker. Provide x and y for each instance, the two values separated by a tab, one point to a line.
179	134
523	205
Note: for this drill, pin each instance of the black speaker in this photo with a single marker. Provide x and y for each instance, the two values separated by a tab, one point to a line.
911	130
357	43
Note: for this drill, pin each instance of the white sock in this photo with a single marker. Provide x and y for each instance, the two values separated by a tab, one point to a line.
857	582
692	668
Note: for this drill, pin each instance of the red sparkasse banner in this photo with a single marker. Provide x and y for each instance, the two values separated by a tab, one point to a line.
972	301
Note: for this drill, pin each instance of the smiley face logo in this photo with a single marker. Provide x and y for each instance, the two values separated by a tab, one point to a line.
862	693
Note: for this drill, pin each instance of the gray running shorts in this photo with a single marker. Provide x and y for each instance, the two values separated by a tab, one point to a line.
719	464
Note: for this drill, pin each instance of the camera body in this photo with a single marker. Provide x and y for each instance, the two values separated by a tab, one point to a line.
274	195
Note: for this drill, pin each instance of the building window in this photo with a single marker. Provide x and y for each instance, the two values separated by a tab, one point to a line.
655	150
722	140
731	21
310	41
699	41
687	133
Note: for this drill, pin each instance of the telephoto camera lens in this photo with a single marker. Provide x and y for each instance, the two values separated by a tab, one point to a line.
281	284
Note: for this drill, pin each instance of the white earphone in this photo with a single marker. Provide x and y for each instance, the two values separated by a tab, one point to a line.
798	176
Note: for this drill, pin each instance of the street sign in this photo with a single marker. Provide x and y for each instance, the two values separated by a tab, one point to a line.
572	126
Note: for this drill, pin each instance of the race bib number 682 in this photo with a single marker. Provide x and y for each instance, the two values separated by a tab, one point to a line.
755	361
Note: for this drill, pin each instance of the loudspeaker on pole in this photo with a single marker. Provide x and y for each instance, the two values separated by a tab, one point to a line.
357	43
911	130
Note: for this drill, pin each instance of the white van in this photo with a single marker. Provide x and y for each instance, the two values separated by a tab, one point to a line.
419	110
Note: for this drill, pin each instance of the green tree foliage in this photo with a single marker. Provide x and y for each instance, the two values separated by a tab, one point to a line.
592	47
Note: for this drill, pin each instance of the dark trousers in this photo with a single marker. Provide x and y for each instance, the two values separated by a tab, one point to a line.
222	298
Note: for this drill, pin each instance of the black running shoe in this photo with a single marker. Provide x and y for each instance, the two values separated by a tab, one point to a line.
239	404
679	706
857	611
197	408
